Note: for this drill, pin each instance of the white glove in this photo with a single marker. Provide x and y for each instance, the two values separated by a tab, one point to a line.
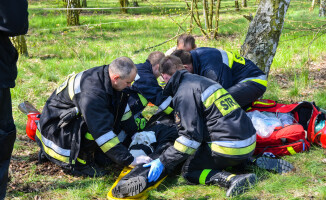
140	160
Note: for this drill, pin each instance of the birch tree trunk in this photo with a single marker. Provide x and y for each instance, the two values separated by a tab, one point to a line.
322	8
73	15
19	43
313	3
264	33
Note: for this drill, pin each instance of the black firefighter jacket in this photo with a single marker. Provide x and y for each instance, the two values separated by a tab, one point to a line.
100	109
148	89
206	113
13	22
226	68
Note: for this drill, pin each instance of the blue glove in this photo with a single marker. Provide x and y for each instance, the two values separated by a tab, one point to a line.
155	171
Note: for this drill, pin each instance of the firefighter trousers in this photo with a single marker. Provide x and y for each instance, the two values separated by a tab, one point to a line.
205	163
7	137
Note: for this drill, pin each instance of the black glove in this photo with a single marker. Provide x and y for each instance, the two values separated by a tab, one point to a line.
67	116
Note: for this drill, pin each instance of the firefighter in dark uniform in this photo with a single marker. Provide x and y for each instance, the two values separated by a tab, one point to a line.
146	89
84	117
214	132
238	75
13	22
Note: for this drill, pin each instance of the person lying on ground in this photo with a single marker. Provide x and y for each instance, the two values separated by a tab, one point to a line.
86	119
239	76
135	181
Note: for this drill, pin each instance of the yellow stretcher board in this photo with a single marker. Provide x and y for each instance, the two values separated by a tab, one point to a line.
141	196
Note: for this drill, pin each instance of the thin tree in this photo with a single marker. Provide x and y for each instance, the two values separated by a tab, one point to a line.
264	33
244	3
322	8
123	5
72	14
84	4
211	27
19	43
236	5
313	3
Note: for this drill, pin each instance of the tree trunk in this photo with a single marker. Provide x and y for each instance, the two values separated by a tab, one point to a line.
236	4
84	4
210	18
244	3
205	12
217	17
191	17
264	33
322	8
73	15
19	43
313	3
123	5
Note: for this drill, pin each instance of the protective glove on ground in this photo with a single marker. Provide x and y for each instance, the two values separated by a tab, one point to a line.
140	160
155	171
67	116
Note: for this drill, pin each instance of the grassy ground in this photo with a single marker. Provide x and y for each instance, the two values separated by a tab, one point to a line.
55	50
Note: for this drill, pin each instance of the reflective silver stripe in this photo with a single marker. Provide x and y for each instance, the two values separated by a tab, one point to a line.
224	57
209	91
261	77
187	142
127	109
236	144
54	147
137	77
122	136
104	138
166	103
77	82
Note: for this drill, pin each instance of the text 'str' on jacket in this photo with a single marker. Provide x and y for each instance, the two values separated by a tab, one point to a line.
206	113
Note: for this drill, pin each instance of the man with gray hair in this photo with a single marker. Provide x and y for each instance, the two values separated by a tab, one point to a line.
83	118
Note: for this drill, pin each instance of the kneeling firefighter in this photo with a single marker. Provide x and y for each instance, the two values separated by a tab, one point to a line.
83	118
214	132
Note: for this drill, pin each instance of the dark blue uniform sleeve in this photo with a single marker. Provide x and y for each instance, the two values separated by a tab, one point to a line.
219	73
13	17
147	85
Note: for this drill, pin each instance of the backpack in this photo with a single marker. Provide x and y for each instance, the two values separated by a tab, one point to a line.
290	139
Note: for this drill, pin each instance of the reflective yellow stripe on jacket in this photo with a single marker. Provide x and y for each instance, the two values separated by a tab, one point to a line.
235	147
52	149
186	145
127	114
165	106
107	141
262	80
74	85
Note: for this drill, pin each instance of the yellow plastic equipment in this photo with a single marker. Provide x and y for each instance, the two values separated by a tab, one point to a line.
141	196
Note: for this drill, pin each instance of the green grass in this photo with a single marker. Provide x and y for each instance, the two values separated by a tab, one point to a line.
56	50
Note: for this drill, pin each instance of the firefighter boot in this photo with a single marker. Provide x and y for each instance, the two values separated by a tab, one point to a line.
135	182
236	184
130	187
276	165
